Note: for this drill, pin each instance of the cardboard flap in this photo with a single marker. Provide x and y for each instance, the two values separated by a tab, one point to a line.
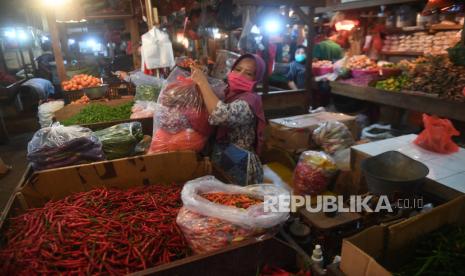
124	173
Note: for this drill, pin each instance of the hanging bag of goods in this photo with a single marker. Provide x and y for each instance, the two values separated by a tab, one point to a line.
60	146
313	173
181	121
215	214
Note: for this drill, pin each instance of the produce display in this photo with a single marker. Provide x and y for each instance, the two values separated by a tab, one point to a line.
96	113
215	214
361	62
322	63
147	92
333	136
80	81
120	140
421	42
392	83
59	146
313	173
83	100
99	232
437	75
187	63
440	252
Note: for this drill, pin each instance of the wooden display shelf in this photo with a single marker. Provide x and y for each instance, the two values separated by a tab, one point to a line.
406	100
447	28
402	53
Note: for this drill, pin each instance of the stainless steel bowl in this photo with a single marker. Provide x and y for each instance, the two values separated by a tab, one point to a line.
96	92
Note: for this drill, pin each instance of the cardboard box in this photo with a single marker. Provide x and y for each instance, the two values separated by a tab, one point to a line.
35	189
294	134
374	250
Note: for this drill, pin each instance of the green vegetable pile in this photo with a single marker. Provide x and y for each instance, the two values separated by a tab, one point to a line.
120	140
147	92
439	253
393	83
97	113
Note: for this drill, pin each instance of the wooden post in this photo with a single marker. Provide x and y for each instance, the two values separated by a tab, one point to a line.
149	14
133	27
310	36
266	57
52	26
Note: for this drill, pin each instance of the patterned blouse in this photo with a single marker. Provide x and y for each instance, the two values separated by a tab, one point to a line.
241	122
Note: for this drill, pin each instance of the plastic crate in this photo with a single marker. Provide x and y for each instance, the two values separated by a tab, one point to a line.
73	95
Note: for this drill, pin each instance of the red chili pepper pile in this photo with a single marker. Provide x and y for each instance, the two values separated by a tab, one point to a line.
235	200
97	232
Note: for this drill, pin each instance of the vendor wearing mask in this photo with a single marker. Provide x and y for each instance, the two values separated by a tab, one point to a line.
240	119
296	73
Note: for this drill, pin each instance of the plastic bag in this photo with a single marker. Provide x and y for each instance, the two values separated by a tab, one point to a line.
377	132
143	109
187	139
120	140
60	146
333	136
313	173
181	120
209	226
437	135
47	111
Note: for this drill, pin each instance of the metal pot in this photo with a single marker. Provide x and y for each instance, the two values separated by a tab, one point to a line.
393	172
96	92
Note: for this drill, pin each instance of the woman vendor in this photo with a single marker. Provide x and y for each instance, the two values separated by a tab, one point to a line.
240	119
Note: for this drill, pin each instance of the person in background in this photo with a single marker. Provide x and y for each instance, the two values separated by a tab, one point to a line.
332	47
240	119
296	73
44	69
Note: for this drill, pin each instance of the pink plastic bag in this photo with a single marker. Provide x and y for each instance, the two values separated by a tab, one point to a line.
437	135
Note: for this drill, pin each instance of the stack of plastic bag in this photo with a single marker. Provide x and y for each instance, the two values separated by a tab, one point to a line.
59	146
335	139
181	119
47	111
120	140
313	173
209	226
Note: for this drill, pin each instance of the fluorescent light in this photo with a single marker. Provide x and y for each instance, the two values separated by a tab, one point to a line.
272	26
91	43
22	35
10	34
54	3
71	41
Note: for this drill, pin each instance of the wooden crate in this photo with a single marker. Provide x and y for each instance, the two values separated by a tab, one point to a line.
242	258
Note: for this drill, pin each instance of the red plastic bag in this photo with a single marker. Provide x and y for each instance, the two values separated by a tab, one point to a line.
188	139
437	135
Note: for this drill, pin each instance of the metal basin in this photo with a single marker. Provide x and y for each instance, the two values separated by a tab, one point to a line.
96	92
393	172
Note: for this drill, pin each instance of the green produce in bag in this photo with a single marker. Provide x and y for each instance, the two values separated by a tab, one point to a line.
120	140
147	92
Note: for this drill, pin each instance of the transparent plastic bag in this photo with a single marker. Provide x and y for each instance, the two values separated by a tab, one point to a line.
333	136
120	140
59	146
143	109
313	173
209	226
187	139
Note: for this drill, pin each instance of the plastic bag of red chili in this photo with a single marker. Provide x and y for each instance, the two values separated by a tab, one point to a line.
313	173
215	214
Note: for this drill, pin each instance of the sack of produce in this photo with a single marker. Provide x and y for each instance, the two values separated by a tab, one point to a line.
120	140
215	214
313	173
187	139
437	135
59	146
143	109
181	121
147	87
333	136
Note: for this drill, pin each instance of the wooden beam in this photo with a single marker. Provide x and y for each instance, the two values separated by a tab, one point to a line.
133	27
309	82
53	28
405	100
299	3
149	13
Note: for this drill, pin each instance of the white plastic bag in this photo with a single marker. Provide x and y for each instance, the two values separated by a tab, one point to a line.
143	109
253	217
157	51
382	132
209	226
47	111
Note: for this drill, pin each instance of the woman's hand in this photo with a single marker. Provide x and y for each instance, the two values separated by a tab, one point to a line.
198	76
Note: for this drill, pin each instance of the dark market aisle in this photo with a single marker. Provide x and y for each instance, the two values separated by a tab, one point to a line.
13	154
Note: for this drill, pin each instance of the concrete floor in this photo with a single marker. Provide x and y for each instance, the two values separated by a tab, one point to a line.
13	154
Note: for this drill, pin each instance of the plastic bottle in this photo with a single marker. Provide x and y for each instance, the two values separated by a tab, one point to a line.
317	255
